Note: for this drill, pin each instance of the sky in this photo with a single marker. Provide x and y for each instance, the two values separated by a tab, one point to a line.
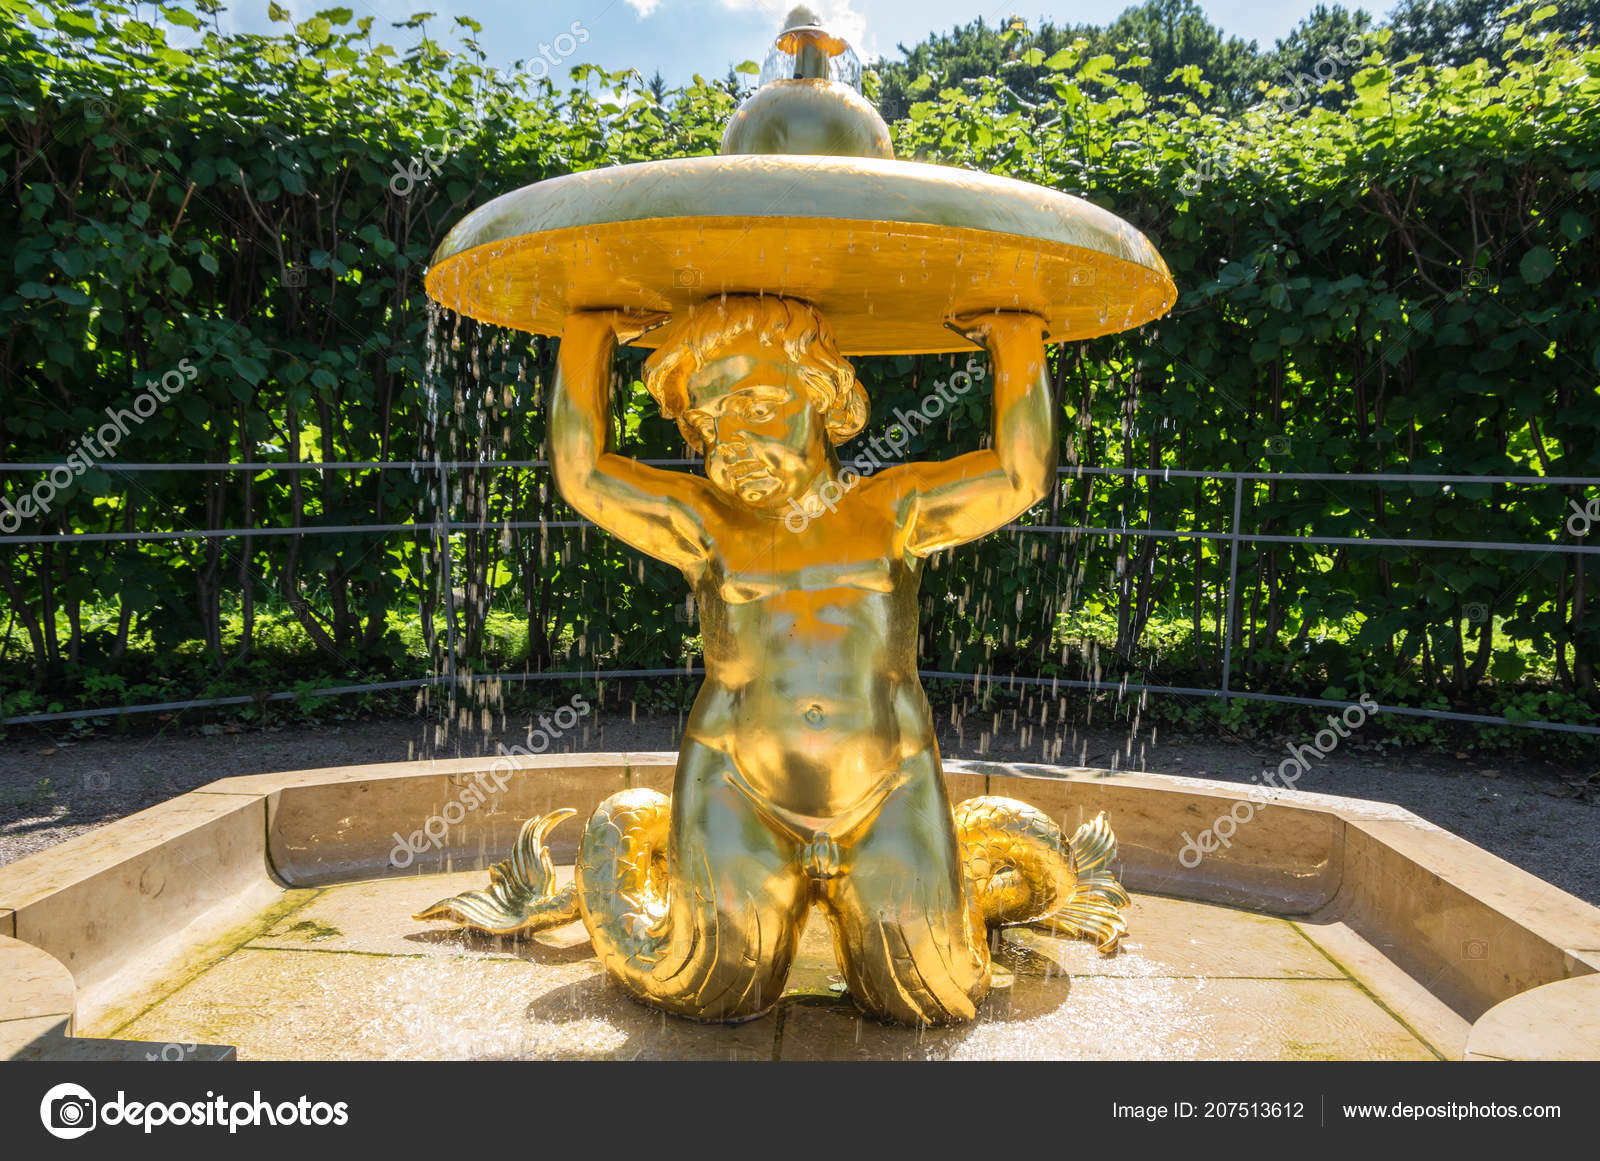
683	37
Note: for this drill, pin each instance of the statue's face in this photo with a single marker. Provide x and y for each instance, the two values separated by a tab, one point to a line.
764	441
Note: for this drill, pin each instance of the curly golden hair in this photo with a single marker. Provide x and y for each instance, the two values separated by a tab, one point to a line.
804	335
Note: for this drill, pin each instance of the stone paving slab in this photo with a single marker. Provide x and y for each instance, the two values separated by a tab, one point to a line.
1128	1018
349	975
1178	937
310	1005
375	917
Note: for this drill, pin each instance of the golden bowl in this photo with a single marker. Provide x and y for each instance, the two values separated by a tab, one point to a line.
888	250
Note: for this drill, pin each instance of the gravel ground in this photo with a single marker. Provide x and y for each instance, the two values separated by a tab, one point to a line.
1543	817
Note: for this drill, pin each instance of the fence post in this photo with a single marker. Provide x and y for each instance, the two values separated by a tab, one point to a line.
1233	576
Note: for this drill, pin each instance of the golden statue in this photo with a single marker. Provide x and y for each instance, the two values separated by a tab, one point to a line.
809	773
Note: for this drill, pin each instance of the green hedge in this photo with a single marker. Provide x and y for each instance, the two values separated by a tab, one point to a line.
1404	284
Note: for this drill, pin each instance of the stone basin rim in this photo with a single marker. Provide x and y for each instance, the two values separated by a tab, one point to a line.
1481	930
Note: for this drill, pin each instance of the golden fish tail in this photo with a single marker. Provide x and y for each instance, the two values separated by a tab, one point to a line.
1022	868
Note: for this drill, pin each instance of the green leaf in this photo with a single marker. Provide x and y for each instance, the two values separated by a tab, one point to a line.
193	408
1575	226
180	16
1537	265
77	23
1508	667
248	369
96	482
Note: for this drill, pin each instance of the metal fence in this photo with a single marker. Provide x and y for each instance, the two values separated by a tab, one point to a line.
443	528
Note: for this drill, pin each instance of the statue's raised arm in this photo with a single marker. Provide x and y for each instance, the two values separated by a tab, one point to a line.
957	500
661	513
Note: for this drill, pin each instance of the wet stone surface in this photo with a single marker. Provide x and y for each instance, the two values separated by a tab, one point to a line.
349	975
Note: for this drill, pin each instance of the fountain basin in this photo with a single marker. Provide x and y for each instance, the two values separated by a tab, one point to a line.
269	916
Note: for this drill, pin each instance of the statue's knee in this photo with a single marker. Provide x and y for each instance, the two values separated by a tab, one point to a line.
923	971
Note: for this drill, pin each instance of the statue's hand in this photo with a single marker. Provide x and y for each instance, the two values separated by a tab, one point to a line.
627	325
983	327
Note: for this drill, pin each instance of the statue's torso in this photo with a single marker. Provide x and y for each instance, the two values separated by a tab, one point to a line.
810	645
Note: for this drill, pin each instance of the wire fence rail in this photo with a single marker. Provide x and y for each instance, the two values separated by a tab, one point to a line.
445	528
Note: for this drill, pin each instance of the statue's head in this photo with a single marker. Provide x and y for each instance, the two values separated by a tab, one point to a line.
758	386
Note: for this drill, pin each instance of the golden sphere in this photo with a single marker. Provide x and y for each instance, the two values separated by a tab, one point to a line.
808	115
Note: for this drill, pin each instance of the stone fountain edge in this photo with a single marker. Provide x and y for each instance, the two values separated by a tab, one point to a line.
1472	929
